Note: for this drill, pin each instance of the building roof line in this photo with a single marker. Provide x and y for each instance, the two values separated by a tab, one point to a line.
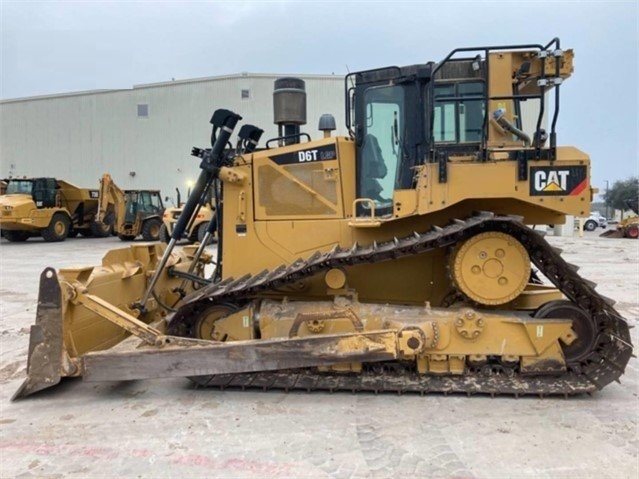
175	82
238	76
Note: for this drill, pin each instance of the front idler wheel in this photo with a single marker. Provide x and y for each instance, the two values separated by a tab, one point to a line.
582	324
205	324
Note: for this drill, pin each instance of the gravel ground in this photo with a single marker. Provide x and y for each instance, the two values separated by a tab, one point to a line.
165	428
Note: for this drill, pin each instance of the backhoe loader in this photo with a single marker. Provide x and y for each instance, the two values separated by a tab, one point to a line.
131	212
396	258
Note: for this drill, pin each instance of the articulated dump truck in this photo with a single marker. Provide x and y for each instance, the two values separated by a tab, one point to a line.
396	258
52	208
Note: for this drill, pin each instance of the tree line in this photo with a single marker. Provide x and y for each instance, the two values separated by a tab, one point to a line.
621	191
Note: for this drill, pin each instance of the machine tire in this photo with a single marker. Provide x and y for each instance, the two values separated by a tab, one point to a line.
16	236
100	230
58	228
192	238
151	229
631	232
165	237
201	230
590	225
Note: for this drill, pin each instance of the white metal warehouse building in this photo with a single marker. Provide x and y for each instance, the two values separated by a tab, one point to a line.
143	136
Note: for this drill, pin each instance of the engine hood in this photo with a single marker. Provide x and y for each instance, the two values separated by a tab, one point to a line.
15	200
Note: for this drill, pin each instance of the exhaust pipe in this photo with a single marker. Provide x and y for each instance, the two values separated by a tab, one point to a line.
289	108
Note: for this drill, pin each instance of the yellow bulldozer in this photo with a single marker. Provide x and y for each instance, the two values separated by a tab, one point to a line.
52	208
130	213
396	258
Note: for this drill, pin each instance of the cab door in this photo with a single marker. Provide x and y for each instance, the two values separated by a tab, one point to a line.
44	192
386	147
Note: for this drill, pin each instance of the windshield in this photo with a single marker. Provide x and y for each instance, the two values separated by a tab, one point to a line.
19	187
381	145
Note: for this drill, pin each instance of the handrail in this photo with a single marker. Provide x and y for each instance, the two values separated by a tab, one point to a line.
541	96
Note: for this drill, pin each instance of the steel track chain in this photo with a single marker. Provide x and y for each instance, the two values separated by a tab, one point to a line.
604	363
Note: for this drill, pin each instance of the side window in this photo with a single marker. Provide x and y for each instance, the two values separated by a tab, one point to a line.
471	111
51	192
131	199
458	112
444	126
381	145
156	201
146	202
44	192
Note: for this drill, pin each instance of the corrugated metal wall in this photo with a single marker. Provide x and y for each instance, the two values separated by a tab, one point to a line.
78	137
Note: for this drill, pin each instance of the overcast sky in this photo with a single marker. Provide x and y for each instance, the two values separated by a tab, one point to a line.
64	46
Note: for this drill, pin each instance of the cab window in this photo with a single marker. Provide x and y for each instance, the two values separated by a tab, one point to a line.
19	187
459	112
381	144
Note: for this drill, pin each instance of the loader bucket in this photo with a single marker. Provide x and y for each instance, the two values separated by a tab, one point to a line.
88	309
616	233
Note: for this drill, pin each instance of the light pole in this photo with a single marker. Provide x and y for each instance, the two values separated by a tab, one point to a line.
607	217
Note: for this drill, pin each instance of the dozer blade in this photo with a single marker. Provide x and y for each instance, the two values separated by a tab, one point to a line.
180	357
45	342
95	308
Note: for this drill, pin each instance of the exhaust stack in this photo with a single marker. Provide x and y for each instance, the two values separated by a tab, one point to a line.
289	108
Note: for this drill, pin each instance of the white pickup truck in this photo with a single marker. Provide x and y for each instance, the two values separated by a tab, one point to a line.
595	220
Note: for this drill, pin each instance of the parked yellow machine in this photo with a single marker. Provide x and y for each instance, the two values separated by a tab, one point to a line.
627	227
394	259
195	230
131	213
48	207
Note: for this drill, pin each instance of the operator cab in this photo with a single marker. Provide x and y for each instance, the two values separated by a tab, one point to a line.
392	114
42	190
142	203
460	108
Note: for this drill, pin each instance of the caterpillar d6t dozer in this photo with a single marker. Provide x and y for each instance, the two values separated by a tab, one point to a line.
392	259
